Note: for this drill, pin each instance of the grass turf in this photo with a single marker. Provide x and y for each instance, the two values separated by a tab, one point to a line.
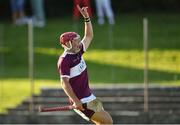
113	57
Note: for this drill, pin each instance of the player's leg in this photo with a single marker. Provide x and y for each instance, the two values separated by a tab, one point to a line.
20	6
109	11
101	117
99	11
94	111
14	10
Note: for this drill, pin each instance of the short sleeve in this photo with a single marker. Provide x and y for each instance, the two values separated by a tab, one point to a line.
64	68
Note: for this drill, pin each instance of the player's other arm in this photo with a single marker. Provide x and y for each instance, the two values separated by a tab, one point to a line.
88	30
70	93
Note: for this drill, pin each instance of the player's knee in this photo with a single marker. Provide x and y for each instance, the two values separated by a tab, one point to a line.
103	121
108	121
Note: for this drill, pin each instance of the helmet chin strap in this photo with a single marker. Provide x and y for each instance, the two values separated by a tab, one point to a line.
68	48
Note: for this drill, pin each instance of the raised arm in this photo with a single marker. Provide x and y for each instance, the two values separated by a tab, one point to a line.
88	30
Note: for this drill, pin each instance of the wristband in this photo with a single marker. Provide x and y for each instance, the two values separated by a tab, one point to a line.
87	19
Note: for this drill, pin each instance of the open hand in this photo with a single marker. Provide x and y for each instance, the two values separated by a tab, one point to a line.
83	11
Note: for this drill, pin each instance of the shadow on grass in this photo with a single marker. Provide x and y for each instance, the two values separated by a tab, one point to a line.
120	74
98	73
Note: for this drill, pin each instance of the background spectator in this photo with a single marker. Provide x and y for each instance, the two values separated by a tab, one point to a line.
18	14
104	7
38	13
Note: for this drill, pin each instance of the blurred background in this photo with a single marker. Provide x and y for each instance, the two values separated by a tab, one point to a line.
118	55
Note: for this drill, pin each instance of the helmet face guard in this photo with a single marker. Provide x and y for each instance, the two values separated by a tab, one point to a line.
67	48
68	37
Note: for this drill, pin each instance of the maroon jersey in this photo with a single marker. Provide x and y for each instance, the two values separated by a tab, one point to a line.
73	66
